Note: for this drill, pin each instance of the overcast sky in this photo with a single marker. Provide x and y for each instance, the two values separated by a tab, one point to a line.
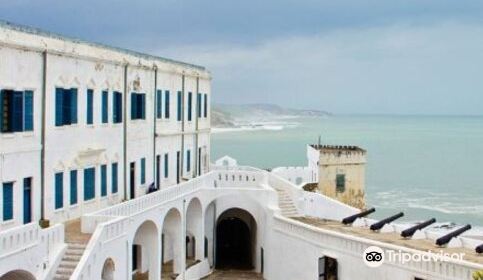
354	56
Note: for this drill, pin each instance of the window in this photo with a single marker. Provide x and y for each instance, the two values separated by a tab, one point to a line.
166	166
340	183
90	106
114	178
103	180
105	107
143	170
117	107
188	161
27	200
190	101
158	171
206	106
166	104
16	111
198	105
7	201
89	183
179	106
59	190
159	102
138	106
73	187
65	106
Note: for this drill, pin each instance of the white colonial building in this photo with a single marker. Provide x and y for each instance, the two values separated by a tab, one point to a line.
105	174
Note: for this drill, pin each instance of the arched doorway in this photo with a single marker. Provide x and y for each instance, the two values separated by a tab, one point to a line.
17	274
194	228
145	248
235	239
108	270
172	244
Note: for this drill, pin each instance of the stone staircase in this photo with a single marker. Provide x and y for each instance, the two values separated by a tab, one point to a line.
286	204
76	244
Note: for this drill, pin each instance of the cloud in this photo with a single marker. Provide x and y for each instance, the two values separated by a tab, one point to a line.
402	68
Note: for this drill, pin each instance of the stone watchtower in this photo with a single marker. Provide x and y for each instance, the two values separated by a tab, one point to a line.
342	173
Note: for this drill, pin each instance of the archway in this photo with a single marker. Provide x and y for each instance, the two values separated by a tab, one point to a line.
108	270
17	274
145	251
210	219
172	244
194	231
235	239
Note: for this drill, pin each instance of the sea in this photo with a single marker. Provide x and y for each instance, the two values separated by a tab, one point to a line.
424	166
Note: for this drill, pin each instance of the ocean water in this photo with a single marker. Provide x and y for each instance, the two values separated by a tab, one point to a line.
423	166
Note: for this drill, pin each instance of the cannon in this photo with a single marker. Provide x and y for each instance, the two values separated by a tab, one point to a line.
447	238
410	231
381	223
479	249
352	218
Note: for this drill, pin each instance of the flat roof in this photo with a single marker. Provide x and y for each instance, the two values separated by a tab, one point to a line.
41	32
391	238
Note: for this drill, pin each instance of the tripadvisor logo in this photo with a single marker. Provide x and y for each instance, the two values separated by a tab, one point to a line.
373	256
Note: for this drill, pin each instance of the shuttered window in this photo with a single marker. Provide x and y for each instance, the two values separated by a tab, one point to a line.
103	180
16	111
206	106
166	166
190	105
7	201
105	106
138	106
114	175
166	104
117	107
73	187
65	106
143	170
188	160
198	104
59	190
340	183
89	183
178	103
90	107
159	103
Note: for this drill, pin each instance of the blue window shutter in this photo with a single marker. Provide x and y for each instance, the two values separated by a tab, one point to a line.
28	110
59	190
166	104
59	107
159	102
206	106
105	100
103	180
17	111
143	170
89	183
134	106
73	105
117	107
143	106
90	107
7	201
198	105
179	106
188	161
190	105
166	167
114	177
73	187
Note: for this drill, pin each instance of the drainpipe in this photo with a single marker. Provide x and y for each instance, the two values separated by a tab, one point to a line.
44	223
124	134
154	125
181	160
198	112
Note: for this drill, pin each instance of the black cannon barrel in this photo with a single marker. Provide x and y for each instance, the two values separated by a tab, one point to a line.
351	219
479	249
381	223
447	238
410	231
